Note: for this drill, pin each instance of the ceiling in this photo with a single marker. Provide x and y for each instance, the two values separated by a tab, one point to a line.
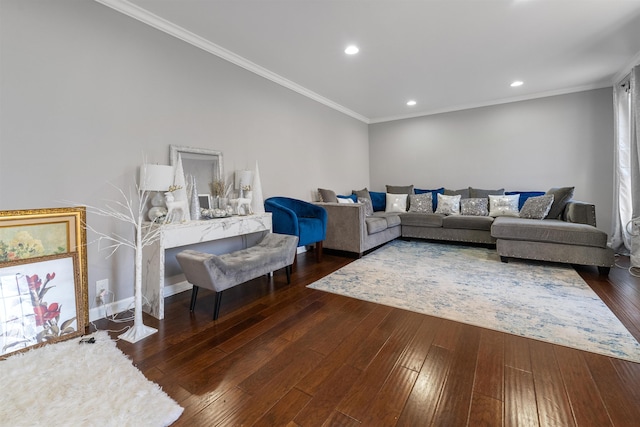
446	55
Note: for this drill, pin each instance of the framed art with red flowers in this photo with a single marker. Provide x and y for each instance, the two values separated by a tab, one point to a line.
28	235
40	302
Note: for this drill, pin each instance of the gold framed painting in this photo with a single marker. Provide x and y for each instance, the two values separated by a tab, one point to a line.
41	301
33	233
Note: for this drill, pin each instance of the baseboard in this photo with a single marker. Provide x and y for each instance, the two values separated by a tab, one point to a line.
97	313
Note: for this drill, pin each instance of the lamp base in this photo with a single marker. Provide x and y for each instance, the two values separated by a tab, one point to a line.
137	333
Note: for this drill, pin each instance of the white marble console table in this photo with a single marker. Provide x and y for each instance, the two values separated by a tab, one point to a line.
185	234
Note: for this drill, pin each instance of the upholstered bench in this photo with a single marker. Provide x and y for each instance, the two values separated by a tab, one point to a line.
221	272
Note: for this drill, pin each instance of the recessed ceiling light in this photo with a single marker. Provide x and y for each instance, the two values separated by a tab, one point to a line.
351	50
411	103
517	83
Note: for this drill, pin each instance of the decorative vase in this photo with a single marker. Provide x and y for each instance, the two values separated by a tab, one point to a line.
257	202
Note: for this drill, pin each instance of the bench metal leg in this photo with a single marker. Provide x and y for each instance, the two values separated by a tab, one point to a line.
194	295
216	309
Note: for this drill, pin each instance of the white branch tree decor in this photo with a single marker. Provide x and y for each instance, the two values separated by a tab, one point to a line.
131	212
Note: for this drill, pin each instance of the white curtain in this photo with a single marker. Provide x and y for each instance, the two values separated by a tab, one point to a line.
626	191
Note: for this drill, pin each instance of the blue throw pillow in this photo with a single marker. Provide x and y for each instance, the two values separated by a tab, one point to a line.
379	200
351	196
434	195
524	195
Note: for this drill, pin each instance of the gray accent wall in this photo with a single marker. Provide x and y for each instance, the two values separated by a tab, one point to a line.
86	93
559	141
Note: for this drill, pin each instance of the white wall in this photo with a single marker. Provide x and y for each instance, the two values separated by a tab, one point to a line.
86	92
560	141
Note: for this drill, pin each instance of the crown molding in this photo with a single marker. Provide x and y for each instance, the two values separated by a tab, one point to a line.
490	103
146	17
626	69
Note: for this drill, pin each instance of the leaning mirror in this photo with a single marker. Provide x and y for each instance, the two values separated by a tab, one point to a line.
203	164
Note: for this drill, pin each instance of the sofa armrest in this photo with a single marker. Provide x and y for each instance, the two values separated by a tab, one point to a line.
346	228
580	212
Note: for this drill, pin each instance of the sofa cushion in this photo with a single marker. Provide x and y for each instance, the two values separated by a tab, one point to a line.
392	218
328	196
400	189
422	220
421	203
464	192
561	197
361	193
474	206
375	224
467	222
550	231
477	193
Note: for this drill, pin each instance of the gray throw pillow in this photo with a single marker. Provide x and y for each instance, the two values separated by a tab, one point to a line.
400	189
364	193
368	206
477	206
477	193
561	197
328	196
422	203
464	193
537	207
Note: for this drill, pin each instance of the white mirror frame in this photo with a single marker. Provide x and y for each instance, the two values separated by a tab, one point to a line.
204	164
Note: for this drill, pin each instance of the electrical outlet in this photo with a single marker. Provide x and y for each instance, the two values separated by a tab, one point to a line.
102	287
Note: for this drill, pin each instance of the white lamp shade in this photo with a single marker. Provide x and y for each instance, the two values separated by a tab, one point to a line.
155	177
244	177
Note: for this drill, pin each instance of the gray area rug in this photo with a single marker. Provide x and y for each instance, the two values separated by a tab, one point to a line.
548	302
72	384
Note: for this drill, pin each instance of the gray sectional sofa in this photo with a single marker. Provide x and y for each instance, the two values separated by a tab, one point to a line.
568	236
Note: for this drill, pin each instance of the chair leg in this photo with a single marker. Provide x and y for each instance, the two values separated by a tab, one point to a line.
287	269
194	295
318	251
216	309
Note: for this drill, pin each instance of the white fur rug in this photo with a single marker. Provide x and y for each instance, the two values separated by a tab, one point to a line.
72	384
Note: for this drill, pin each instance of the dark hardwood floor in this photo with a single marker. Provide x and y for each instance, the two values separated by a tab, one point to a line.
285	355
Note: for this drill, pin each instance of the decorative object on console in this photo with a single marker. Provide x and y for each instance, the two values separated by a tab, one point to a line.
257	202
176	197
244	180
156	178
194	199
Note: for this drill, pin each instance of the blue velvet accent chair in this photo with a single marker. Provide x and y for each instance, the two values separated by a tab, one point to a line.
299	218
